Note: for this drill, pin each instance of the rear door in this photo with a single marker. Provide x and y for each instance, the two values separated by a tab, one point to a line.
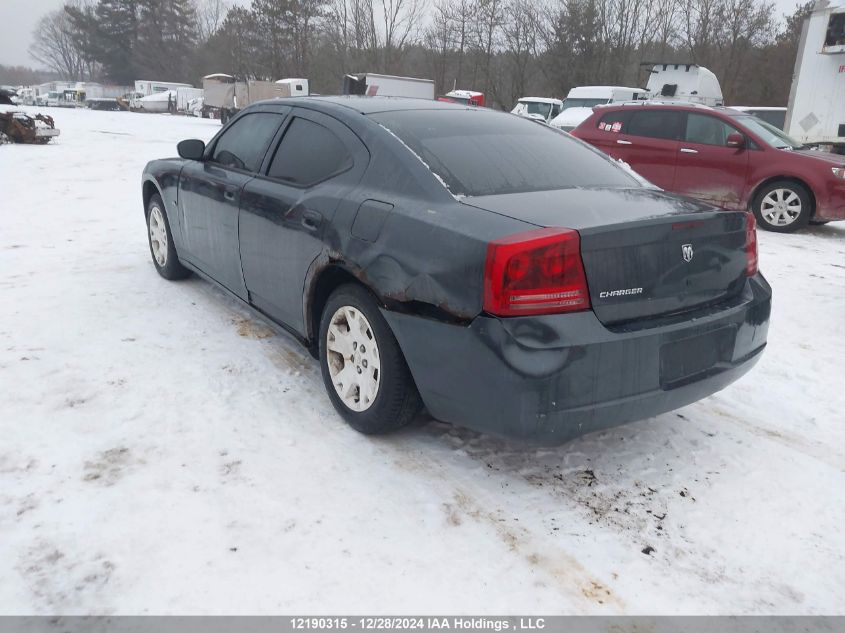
286	209
209	195
649	143
706	168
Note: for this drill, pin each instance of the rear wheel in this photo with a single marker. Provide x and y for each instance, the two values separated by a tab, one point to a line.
783	206
363	369
161	242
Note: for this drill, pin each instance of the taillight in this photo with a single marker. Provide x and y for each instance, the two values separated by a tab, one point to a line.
537	272
750	245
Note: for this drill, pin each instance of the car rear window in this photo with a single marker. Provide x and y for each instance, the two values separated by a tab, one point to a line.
478	153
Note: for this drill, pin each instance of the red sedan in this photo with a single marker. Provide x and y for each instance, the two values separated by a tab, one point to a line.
724	157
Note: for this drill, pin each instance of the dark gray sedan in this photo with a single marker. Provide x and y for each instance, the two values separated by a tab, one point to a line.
498	272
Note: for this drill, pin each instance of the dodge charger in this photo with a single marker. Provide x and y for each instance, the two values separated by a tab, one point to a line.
494	271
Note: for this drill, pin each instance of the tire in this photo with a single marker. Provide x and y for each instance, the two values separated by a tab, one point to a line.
379	369
160	239
783	206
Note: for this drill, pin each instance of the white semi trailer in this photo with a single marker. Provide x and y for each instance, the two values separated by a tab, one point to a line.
374	84
225	96
815	114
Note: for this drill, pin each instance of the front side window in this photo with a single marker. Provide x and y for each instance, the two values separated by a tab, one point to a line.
309	153
243	145
707	130
769	133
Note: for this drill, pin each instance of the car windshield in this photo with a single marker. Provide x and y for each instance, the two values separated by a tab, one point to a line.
769	133
535	107
583	103
478	153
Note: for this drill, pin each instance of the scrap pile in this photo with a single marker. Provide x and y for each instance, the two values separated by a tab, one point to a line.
17	127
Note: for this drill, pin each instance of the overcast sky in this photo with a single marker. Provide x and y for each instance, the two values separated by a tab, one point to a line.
19	17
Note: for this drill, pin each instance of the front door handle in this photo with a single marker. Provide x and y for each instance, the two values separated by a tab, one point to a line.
229	195
687	150
619	141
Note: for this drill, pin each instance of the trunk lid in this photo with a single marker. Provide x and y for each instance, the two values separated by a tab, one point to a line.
645	253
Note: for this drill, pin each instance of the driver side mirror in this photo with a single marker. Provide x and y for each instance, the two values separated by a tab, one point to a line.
192	149
735	140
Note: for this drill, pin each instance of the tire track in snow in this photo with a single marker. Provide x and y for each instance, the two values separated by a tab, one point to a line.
810	448
566	571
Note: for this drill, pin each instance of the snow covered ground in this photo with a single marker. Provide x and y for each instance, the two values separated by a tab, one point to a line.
163	450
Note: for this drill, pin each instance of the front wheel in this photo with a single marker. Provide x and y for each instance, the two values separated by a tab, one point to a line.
363	368
161	242
783	206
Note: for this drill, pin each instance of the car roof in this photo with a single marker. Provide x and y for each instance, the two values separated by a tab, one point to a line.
675	105
539	100
759	108
365	104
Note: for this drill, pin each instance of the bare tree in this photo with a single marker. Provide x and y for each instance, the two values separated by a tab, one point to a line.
401	20
56	46
210	17
520	32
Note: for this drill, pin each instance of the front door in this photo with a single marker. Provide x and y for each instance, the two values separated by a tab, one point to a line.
209	196
706	168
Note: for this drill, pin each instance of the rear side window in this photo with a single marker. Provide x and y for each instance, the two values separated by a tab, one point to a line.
707	130
615	121
309	153
479	152
663	124
243	145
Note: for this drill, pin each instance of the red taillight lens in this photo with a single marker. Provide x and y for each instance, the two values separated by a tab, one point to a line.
538	272
750	245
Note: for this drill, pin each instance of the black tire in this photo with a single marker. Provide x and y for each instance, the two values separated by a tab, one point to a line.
397	401
171	268
762	206
224	116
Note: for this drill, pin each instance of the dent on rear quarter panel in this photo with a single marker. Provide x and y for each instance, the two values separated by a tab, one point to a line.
428	255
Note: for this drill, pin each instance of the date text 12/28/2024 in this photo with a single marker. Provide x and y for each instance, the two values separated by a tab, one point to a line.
382	623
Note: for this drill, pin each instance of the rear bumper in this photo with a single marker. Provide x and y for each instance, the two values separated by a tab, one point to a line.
552	378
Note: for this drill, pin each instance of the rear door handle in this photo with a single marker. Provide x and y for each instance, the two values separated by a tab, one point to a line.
687	150
229	195
619	141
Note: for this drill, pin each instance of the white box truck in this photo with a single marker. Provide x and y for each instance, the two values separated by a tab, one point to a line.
224	96
815	114
373	84
580	101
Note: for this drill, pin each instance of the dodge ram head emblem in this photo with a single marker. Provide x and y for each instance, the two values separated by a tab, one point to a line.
686	249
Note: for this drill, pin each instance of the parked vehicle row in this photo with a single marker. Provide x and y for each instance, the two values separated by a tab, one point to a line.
725	157
496	271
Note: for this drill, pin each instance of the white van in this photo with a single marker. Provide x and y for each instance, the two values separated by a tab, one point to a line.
580	101
538	108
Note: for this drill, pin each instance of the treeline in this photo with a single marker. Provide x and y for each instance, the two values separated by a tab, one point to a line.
504	48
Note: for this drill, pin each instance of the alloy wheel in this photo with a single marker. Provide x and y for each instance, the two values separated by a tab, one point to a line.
780	207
